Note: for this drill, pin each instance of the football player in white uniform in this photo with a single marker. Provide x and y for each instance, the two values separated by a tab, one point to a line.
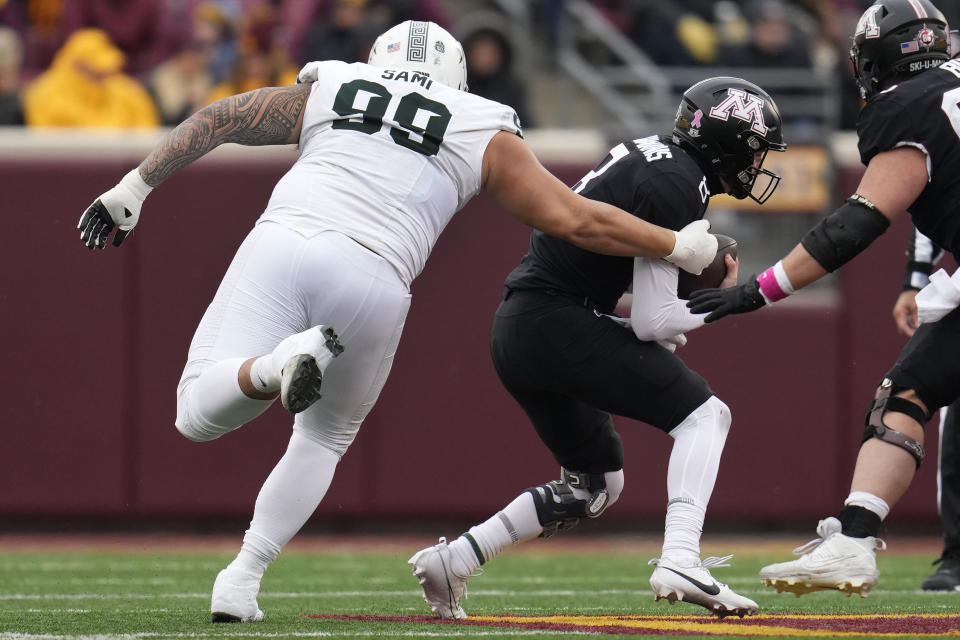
389	151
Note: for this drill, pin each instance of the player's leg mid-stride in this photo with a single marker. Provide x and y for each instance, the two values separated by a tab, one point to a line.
296	365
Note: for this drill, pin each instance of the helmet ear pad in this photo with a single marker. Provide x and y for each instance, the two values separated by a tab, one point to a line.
744	169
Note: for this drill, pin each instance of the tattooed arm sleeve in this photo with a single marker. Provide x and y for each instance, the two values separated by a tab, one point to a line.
273	115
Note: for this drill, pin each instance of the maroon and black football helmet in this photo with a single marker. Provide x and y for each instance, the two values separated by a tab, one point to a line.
897	37
728	121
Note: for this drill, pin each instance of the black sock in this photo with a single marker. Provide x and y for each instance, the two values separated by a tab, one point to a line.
859	522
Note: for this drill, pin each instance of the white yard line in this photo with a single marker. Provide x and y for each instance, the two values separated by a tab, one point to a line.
539	593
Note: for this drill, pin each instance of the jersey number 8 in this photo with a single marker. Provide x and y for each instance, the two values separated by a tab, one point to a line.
409	115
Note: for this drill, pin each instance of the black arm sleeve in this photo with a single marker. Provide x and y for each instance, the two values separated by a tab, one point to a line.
846	232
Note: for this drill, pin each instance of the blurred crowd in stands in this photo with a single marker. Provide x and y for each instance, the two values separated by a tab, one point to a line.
801	34
147	63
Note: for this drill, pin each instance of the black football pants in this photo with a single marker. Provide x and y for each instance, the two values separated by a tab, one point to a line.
570	367
930	365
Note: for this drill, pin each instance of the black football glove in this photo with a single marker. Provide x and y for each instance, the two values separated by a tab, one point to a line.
119	207
720	302
95	226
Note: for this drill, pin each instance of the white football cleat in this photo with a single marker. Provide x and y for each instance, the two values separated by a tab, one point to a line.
442	588
235	598
832	561
305	357
695	585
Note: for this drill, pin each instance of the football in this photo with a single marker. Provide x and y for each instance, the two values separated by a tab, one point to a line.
713	275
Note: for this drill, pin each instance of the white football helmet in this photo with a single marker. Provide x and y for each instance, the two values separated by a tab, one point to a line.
422	46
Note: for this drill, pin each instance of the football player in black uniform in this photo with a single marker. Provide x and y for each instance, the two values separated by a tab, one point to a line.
922	255
909	140
570	364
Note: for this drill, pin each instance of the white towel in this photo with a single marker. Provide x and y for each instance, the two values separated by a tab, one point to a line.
940	297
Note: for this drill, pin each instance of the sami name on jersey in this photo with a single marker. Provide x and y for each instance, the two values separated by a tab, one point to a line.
652	178
386	157
923	112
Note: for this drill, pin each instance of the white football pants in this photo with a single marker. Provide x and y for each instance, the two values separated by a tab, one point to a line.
281	283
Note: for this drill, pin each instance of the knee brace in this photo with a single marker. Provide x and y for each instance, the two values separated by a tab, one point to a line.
559	509
885	403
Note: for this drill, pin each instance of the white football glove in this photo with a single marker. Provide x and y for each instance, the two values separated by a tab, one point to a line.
940	297
119	207
309	73
694	248
671	344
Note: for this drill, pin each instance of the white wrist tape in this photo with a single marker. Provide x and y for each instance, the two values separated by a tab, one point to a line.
135	185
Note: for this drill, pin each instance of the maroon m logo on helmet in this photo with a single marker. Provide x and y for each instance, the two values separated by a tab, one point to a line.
743	106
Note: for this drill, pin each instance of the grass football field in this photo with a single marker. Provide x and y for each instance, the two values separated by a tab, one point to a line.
588	587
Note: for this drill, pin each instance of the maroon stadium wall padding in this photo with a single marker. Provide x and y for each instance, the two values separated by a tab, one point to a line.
95	344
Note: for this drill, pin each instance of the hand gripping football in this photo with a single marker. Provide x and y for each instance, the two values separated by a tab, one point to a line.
713	275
